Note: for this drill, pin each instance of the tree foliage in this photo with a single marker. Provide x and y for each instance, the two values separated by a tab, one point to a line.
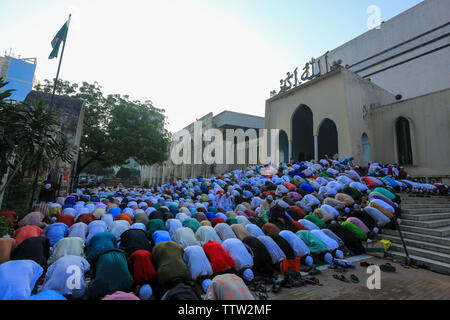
26	130
128	173
116	128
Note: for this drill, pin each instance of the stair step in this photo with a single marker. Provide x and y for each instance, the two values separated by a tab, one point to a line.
409	196
417	236
426	224
433	264
424	206
426	217
418	244
425	200
424	253
437	232
426	210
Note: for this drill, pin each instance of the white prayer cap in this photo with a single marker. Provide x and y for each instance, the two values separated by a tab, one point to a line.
48	186
145	293
283	204
248	275
309	261
205	284
339	254
328	257
347	210
375	230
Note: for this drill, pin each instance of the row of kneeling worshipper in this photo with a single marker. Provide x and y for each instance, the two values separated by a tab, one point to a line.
197	236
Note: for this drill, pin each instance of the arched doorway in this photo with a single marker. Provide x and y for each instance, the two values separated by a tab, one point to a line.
284	146
403	133
328	139
302	134
366	148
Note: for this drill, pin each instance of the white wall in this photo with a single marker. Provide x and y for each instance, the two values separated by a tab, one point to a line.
424	75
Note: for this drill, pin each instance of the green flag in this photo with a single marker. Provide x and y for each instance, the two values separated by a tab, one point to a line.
60	37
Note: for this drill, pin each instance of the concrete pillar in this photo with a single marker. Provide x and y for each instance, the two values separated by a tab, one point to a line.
290	151
316	148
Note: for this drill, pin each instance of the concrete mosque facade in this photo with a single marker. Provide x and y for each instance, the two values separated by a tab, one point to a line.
381	97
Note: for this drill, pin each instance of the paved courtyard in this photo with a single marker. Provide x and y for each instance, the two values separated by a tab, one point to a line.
404	284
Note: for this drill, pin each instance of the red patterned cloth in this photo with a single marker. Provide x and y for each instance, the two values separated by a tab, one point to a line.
299	212
143	269
250	213
26	232
270	228
67	219
217	221
298	226
228	287
220	260
86	218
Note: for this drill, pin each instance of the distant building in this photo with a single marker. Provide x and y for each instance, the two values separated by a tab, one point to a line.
20	75
158	174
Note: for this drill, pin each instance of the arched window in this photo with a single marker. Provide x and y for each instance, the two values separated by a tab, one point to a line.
328	139
284	146
366	148
302	134
403	133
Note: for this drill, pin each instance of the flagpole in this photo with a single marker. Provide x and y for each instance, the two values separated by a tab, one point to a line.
39	160
59	65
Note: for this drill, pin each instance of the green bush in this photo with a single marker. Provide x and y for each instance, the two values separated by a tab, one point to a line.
146	183
20	195
6	227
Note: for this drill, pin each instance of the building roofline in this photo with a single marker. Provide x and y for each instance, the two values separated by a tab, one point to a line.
409	99
305	84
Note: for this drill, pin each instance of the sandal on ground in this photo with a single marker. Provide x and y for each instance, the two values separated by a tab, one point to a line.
365	264
313	280
340	277
387	267
261	296
314	272
254	286
262	288
276	287
354	278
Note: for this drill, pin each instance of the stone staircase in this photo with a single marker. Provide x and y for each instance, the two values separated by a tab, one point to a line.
425	225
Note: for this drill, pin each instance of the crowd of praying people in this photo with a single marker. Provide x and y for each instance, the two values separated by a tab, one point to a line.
204	238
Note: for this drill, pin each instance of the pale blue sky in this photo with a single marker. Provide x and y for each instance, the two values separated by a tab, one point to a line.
189	57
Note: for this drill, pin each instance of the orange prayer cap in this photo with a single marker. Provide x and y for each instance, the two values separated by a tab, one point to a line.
126	217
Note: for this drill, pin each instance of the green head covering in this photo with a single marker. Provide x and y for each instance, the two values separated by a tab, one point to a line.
231	221
324	174
316	221
385	193
157	206
213	209
192	223
314	244
155	225
352	192
357	231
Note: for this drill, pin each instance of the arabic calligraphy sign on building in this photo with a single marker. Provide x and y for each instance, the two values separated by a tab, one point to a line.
312	70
